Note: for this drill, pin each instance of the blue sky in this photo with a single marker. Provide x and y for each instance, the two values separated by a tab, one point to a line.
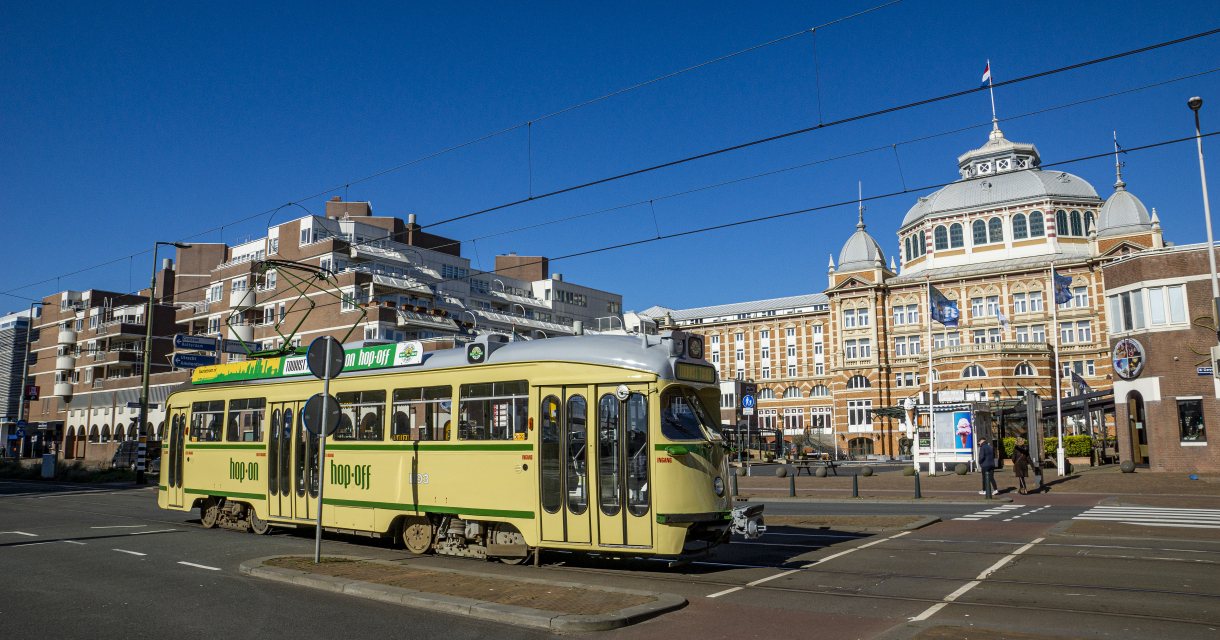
128	123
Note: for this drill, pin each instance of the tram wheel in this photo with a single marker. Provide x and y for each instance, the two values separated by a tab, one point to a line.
508	534
417	534
257	525
209	513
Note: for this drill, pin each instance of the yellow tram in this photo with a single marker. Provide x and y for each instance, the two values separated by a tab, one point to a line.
601	444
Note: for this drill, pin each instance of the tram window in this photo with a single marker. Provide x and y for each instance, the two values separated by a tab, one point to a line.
422	413
608	471
246	420
206	418
637	455
682	415
493	411
548	436
361	418
578	499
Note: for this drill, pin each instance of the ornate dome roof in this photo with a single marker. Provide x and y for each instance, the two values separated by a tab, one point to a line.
999	172
860	251
1123	213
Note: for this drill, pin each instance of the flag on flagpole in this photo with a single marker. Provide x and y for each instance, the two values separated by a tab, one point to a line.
943	309
987	73
1063	287
1078	382
1000	315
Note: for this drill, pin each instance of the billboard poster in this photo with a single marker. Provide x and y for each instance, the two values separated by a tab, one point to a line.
954	431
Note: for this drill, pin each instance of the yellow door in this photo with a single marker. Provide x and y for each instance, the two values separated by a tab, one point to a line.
173	467
563	415
304	467
279	460
624	505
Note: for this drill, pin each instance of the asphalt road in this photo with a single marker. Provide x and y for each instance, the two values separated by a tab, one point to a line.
983	570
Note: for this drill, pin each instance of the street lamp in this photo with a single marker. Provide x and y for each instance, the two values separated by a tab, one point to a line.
25	368
148	324
1195	104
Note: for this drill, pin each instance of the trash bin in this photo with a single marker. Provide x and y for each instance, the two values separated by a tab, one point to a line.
48	465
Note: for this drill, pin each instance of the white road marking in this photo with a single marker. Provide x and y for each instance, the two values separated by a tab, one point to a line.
30	544
199	566
812	564
1155	516
121	526
931	611
73	542
134	553
21	533
140	533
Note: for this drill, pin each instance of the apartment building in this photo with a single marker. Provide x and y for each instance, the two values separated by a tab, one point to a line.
14	334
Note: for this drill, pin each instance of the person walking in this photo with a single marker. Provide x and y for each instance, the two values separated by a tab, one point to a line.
987	465
1020	464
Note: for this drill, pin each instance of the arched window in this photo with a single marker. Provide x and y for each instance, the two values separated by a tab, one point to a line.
1061	222
105	433
979	231
1019	230
1077	230
1025	369
955	236
940	238
935	375
792	392
1037	228
858	382
1089	221
819	391
766	393
995	230
923	243
907	243
93	437
120	434
974	371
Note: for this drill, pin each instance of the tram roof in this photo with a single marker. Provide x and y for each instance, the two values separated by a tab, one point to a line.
651	354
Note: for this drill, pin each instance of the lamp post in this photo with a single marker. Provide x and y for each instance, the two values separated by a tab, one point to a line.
1195	104
25	366
148	324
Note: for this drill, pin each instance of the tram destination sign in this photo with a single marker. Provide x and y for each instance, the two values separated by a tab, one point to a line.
366	358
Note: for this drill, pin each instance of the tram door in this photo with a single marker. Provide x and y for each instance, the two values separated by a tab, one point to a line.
177	447
563	418
292	458
621	461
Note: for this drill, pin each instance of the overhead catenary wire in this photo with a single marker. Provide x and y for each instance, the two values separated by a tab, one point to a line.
693	158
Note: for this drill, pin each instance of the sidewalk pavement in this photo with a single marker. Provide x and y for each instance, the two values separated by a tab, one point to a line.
1103	483
561	607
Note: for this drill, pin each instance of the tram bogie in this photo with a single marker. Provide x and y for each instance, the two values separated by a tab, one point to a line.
601	444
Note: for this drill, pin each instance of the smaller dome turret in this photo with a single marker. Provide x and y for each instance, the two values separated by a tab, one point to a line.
861	251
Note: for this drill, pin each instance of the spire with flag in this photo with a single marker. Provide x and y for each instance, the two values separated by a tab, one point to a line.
995	123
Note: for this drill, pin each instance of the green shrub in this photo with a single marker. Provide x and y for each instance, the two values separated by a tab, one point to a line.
17	471
1072	446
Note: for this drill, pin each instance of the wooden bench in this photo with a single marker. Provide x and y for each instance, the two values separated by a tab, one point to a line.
809	465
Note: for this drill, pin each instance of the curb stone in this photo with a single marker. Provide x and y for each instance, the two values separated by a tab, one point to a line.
510	614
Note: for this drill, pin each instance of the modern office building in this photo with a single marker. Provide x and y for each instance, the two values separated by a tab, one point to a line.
14	334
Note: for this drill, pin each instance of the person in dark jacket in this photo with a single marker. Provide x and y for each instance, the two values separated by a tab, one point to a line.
1020	464
987	465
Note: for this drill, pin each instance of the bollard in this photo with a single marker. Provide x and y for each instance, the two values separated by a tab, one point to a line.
918	493
792	486
855	486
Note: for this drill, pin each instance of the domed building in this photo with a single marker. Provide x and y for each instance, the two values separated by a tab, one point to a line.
988	242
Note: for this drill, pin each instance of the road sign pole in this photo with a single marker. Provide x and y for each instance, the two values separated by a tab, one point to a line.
317	543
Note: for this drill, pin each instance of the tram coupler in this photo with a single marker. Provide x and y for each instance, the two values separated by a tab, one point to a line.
748	521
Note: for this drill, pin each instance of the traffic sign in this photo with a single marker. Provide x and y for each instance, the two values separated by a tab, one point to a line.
194	343
236	347
21	423
325	358
747	402
192	360
312	416
20	433
1204	371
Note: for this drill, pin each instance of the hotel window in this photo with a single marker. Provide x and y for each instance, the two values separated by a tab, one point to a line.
1035	301
862	317
860	414
993	306
993	335
1080	297
715	357
976	308
1037	333
979	229
1018	303
858	382
1022	333
790	332
791	351
791	371
940	238
766	352
980	336
818	349
1127	309
819	369
849	350
974	371
819	391
1020	230
866	348
817	331
912	314
1024	369
1037	226
956	240
1190	420
715	341
766	373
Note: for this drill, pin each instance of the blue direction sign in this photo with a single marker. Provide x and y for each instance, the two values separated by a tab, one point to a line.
194	343
192	360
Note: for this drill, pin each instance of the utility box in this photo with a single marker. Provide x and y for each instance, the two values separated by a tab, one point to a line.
48	466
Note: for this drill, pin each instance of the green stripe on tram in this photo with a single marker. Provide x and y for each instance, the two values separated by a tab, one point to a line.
398	446
227	494
223	445
396	506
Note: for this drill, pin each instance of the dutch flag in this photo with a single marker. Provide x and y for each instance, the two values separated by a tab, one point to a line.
987	73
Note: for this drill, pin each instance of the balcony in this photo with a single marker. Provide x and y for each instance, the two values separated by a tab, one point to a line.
522	300
242	300
119	328
119	356
408	318
65	363
66	337
63	389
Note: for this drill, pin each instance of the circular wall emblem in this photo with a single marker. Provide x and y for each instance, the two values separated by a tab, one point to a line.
1128	358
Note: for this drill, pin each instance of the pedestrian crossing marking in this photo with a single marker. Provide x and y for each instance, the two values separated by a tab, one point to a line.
987	513
1155	516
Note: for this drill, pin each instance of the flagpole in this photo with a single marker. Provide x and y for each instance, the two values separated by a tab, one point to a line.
931	392
1058	378
991	90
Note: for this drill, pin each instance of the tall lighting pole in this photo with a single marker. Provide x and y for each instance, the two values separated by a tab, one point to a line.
25	366
148	324
1195	104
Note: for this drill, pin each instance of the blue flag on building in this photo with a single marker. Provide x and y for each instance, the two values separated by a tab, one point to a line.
1082	387
1063	287
943	309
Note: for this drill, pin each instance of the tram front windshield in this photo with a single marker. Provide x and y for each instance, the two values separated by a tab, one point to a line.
683	416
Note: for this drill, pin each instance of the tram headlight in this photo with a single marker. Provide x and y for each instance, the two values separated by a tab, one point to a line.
718	486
